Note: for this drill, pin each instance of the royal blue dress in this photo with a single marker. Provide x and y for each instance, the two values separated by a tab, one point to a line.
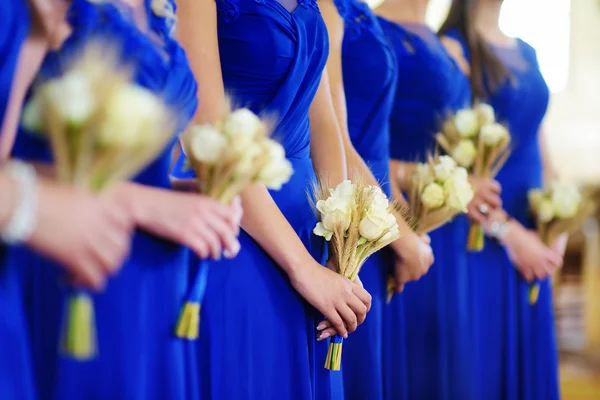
16	381
138	355
437	308
518	356
257	335
370	73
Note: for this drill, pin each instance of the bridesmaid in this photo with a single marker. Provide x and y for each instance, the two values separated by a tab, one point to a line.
257	327
363	73
516	341
436	309
29	208
138	357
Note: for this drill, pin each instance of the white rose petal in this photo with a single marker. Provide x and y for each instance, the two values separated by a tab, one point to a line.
493	133
464	153
486	113
444	168
377	219
433	196
459	192
335	212
535	197
466	122
391	234
207	144
247	161
566	200
278	169
424	173
32	115
129	111
345	190
72	95
321	231
545	211
242	126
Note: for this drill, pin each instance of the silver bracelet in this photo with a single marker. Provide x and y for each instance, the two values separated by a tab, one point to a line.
23	221
498	230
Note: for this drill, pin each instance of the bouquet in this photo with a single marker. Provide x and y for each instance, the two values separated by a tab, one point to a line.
102	128
439	190
559	209
481	145
227	156
357	221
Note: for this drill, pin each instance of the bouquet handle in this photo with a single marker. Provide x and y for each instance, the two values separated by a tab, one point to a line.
79	327
188	324
476	238
333	362
534	292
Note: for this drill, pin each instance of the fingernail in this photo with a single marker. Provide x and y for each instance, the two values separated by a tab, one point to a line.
321	326
324	335
345	336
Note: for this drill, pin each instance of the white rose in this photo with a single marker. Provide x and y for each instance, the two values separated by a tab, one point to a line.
129	110
485	113
320	230
72	95
545	211
535	197
444	168
433	196
32	115
493	133
278	169
246	160
207	144
242	127
459	192
566	200
379	199
375	223
464	153
424	174
335	212
466	122
392	234
344	190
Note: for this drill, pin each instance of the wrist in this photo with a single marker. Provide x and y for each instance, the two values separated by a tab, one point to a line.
126	195
293	265
20	197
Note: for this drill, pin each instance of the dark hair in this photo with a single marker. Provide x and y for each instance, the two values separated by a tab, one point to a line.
487	71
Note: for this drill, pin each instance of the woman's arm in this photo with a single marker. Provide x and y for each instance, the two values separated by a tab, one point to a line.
337	298
549	172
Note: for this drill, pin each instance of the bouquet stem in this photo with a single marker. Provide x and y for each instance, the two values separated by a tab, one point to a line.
534	293
391	288
79	336
333	362
476	238
188	324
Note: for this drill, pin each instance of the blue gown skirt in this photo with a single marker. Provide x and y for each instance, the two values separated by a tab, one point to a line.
138	354
16	381
440	331
516	342
257	335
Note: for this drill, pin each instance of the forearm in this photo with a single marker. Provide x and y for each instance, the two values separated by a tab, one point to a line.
265	223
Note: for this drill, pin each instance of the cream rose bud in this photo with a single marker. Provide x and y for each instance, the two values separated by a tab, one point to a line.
433	196
466	122
444	168
493	133
278	169
320	230
545	211
485	113
566	200
459	192
535	197
375	223
464	153
242	126
72	95
335	212
129	110
207	144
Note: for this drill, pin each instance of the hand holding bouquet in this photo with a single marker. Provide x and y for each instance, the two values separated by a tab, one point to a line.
102	128
478	143
228	156
357	221
439	190
559	209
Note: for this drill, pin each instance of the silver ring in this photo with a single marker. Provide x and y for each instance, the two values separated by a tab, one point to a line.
484	209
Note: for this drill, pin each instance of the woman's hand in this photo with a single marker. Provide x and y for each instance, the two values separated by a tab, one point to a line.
89	235
529	255
414	257
193	220
344	303
486	199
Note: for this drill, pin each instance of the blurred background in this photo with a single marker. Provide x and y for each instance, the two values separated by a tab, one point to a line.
566	36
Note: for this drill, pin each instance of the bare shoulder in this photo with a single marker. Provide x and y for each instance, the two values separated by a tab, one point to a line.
456	51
